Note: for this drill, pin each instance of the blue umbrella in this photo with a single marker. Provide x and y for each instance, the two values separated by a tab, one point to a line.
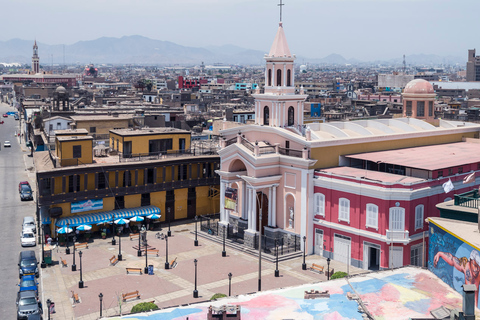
136	219
153	216
84	227
63	230
122	221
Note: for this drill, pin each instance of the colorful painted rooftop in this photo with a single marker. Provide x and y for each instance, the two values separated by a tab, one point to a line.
392	294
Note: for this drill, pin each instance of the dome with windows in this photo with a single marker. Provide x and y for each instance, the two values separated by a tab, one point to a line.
419	86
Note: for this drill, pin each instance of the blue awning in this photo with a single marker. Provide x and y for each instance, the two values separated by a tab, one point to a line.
106	216
46	220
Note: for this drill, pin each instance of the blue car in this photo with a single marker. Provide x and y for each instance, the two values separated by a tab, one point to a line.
28	283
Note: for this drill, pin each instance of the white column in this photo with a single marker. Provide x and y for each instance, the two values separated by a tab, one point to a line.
222	201
250	209
226	216
254	209
292	76
274	206
298	114
273	75
284	75
269	206
244	201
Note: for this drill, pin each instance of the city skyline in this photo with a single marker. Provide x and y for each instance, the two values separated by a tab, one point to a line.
361	29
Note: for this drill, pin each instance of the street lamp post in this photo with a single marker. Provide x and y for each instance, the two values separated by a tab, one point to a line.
43	265
277	272
74	266
114	242
195	243
100	296
67	250
224	253
49	303
328	268
80	283
195	292
304	265
139	251
119	248
169	233
229	284
146	258
167	265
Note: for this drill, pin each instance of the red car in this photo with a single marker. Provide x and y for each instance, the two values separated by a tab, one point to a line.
22	183
5	115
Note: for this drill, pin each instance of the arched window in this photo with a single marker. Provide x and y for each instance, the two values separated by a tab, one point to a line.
291	116
279	78
289	78
269	77
266	116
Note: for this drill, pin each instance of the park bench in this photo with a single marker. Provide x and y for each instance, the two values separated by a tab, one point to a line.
113	260
173	263
130	295
134	236
83	245
64	263
152	251
75	297
137	270
316	267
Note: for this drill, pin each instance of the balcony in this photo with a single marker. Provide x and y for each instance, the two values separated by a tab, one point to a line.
468	199
397	236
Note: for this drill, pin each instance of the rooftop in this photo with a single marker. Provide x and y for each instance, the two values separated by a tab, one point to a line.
147	131
467	231
431	158
377	176
98	117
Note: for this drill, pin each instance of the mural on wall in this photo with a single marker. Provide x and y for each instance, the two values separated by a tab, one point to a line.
452	260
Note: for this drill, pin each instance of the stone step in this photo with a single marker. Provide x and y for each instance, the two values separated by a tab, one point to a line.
254	252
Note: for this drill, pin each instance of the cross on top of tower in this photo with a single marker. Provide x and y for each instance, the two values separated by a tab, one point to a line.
281	5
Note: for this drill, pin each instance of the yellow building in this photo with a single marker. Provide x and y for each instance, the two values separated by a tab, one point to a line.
148	171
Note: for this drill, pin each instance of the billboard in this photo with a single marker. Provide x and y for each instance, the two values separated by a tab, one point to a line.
86	205
231	197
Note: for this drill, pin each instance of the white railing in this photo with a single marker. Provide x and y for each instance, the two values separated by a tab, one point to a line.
397	235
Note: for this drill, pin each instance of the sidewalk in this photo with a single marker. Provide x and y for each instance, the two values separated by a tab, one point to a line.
166	287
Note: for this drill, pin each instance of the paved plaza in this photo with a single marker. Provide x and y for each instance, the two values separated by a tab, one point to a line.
166	288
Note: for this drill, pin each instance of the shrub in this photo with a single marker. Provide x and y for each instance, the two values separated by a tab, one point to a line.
218	296
338	275
143	307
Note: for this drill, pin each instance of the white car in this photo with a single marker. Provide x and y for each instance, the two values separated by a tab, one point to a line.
7	144
28	239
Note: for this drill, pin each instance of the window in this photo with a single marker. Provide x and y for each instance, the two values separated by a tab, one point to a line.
269	77
289	76
440	173
74	186
182	172
291	116
279	78
150	173
408	111
420	109
419	217
127	178
460	169
397	219
102	181
119	203
93	129
450	171
320	204
50	126
145	200
344	210
416	255
430	108
372	216
266	116
77	151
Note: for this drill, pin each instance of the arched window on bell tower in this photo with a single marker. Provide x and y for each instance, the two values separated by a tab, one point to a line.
279	78
269	77
291	116
289	78
266	116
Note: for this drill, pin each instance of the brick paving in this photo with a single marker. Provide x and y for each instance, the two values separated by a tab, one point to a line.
166	287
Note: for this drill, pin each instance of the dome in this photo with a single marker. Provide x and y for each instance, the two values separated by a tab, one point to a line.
60	89
419	86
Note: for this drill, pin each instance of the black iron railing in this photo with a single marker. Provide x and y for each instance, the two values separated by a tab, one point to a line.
209	223
247	144
290	152
468	199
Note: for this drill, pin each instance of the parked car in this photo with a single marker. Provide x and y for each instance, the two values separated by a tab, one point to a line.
7	144
27	264
27	304
28	283
29	224
22	183
26	193
27	239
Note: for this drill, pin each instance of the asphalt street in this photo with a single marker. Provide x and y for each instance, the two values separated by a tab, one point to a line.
12	210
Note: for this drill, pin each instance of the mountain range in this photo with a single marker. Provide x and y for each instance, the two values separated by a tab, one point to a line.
145	51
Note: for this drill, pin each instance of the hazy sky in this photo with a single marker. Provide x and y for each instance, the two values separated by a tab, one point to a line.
364	29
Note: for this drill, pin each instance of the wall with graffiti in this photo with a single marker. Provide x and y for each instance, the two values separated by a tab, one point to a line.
452	259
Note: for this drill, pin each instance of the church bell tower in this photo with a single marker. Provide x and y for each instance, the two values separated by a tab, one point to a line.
35	59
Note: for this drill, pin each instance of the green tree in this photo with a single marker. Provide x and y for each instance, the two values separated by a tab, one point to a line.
143	307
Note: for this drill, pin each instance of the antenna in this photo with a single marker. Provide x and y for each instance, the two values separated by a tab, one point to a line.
64	57
404	65
280	5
